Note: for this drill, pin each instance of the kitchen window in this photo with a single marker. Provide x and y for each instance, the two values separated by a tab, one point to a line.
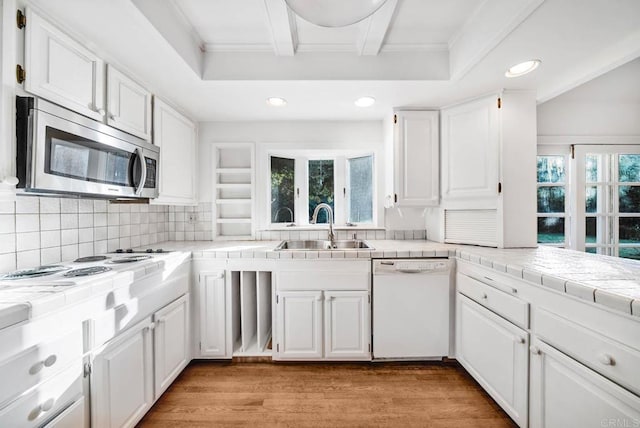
298	184
553	207
607	200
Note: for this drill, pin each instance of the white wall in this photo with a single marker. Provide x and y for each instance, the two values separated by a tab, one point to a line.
606	106
313	135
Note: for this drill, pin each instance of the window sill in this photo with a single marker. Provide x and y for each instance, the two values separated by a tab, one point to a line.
323	226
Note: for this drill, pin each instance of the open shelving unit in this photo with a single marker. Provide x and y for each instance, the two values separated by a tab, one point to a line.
234	207
251	313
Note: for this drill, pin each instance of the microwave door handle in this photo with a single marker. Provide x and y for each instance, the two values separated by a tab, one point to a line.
143	169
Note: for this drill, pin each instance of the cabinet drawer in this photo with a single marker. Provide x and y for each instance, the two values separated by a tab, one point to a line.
612	359
72	417
46	401
37	363
503	304
314	280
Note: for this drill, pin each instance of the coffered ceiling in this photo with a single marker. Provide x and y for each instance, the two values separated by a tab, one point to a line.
220	59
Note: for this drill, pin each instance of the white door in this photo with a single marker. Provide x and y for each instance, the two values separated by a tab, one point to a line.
62	70
299	321
347	325
176	137
122	379
417	158
495	353
213	326
171	343
470	145
564	393
128	105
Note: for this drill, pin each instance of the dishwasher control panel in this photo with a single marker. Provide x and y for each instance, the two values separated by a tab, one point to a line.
411	266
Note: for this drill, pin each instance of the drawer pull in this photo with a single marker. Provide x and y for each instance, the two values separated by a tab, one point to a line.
487	278
484	295
535	350
607	360
521	339
50	360
42	408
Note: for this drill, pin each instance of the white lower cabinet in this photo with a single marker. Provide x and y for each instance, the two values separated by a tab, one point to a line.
122	378
564	393
72	417
307	320
495	353
347	325
212	300
171	343
299	325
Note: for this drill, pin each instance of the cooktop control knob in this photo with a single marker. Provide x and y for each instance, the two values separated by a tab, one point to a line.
129	250
159	250
119	250
149	250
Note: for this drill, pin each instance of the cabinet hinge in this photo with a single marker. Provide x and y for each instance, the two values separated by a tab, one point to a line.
369	347
277	299
20	73
395	198
395	118
277	347
499	187
344	192
499	102
369	298
21	19
200	345
573	151
87	369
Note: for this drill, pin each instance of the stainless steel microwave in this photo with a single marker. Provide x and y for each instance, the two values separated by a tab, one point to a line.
62	152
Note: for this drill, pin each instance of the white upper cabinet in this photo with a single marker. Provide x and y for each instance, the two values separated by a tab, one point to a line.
61	70
470	141
128	105
488	171
416	158
176	137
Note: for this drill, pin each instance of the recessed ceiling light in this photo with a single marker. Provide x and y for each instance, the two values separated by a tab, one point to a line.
276	102
522	68
365	101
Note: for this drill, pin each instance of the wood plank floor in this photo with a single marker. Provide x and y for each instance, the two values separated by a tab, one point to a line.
325	395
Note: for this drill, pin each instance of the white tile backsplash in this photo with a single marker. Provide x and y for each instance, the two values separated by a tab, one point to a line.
44	230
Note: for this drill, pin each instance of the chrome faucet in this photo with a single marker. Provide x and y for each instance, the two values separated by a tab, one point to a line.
314	219
275	220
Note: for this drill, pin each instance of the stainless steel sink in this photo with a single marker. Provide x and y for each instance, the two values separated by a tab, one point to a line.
323	245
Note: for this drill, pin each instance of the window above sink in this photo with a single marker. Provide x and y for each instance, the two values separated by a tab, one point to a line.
298	180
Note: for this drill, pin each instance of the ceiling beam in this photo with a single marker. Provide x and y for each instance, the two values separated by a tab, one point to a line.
282	27
374	29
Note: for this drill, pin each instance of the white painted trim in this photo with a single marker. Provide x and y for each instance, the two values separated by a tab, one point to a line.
282	27
237	47
185	20
587	139
415	47
374	29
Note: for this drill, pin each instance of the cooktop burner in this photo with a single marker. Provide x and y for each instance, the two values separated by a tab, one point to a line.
90	259
35	272
93	270
146	250
129	259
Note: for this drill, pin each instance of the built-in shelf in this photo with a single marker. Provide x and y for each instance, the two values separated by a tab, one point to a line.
234	191
233	201
234	185
234	170
234	220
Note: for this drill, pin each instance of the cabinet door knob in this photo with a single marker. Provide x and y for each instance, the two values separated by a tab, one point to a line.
113	117
607	360
101	112
521	339
484	295
535	350
47	405
50	360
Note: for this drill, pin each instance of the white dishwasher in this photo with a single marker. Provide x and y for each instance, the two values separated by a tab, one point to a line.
412	308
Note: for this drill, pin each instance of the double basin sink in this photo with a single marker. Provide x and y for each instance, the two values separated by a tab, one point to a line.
324	245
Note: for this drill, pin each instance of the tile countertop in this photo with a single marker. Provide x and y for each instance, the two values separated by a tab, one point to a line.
610	281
